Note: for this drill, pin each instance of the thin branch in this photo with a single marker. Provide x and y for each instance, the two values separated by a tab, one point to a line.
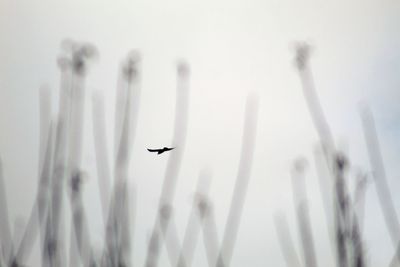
285	241
242	180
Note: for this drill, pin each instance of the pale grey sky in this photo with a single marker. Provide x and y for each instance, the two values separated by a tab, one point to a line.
233	47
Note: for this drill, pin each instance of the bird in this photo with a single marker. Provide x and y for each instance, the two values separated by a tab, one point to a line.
161	150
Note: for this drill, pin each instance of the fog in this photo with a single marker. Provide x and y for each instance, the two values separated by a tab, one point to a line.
238	52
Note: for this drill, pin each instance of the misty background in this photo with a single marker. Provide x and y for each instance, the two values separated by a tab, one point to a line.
233	48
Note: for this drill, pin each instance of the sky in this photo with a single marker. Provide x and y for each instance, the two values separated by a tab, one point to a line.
234	48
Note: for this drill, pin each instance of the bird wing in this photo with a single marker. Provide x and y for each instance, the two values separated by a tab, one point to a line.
169	148
153	150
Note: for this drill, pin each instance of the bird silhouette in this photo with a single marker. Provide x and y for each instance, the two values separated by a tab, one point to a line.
161	150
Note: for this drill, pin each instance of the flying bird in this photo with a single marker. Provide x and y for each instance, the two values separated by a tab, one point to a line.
161	150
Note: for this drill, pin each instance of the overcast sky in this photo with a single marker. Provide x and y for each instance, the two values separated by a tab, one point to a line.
233	47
